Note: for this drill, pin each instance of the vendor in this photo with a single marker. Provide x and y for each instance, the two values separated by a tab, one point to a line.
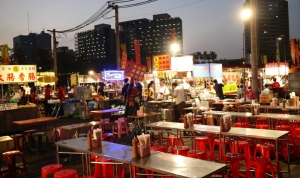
151	96
180	102
47	106
218	89
163	90
275	84
61	96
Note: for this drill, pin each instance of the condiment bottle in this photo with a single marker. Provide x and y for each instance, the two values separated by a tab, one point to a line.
76	134
283	103
221	124
185	124
89	140
134	148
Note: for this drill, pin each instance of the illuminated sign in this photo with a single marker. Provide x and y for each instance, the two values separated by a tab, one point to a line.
114	75
162	62
17	73
201	70
215	70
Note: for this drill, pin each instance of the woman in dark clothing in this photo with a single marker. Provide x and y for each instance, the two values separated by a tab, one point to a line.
131	94
101	90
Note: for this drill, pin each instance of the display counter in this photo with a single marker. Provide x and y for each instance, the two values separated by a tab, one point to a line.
8	116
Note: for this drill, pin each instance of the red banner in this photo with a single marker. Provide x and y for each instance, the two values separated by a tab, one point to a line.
137	51
124	56
4	56
148	59
135	70
162	62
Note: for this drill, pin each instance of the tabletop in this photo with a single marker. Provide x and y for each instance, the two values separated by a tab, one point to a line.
35	121
272	107
145	115
80	125
5	139
201	108
106	111
179	166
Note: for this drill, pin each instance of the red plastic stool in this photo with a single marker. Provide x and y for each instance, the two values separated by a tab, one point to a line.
68	173
120	128
10	156
242	124
262	126
109	137
160	148
242	145
217	142
196	154
105	124
59	131
105	169
202	142
50	169
17	138
261	165
173	140
264	150
180	150
235	159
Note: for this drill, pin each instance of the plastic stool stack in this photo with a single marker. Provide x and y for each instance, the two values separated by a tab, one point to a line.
68	173
50	169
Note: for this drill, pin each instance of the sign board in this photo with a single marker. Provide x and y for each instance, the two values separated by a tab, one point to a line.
182	63
215	70
201	70
134	70
277	68
162	62
114	75
17	73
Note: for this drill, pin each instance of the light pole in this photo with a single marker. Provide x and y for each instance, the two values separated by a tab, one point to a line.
175	49
246	14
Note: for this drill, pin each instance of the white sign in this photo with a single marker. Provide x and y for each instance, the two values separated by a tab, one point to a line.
17	73
182	63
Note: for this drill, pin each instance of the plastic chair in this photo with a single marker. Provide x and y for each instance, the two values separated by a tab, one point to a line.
50	169
13	168
120	128
68	173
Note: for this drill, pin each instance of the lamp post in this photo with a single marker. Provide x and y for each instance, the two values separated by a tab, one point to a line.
246	13
175	49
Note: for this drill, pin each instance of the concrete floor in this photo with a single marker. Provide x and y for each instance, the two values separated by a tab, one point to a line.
36	162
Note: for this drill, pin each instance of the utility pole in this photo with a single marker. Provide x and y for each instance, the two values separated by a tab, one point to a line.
54	52
118	47
254	53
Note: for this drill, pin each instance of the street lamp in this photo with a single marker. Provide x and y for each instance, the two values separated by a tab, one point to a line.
246	14
175	49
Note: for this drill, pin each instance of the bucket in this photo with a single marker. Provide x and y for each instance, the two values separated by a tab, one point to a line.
167	114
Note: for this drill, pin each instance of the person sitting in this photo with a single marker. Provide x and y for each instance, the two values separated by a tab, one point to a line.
250	94
268	89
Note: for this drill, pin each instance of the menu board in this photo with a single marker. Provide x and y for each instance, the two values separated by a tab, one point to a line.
114	75
162	62
215	70
201	70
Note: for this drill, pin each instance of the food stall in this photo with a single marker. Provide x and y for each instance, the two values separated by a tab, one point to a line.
10	110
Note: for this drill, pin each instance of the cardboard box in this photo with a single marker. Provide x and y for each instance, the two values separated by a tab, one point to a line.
265	98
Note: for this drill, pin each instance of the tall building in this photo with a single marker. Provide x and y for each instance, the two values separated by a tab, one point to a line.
155	35
96	49
272	30
27	48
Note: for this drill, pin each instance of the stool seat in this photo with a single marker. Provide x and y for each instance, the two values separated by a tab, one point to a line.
180	150
196	154
50	169
68	173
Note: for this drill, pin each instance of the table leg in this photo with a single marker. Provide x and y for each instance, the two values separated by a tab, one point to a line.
277	161
57	154
288	154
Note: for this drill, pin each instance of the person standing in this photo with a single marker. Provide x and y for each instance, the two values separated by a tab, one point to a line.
151	96
218	89
100	90
47	106
131	94
139	87
180	102
125	89
163	90
61	96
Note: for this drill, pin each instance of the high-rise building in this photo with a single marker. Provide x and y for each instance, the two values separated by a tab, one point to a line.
155	35
96	49
27	47
272	30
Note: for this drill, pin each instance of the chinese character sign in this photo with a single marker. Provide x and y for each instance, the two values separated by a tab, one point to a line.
135	70
137	51
17	73
124	56
162	62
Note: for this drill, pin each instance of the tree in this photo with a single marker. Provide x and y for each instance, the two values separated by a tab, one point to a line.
204	56
213	55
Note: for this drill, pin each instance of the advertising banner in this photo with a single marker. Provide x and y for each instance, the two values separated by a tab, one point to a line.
135	70
4	55
137	51
201	70
162	62
114	75
277	68
182	63
17	73
124	56
148	59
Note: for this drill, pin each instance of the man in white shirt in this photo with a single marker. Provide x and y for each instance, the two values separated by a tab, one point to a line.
163	90
180	102
268	89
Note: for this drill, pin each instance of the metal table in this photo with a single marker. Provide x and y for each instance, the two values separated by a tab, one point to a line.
267	108
178	166
81	125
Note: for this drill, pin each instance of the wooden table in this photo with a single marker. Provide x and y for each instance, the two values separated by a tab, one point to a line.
36	121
